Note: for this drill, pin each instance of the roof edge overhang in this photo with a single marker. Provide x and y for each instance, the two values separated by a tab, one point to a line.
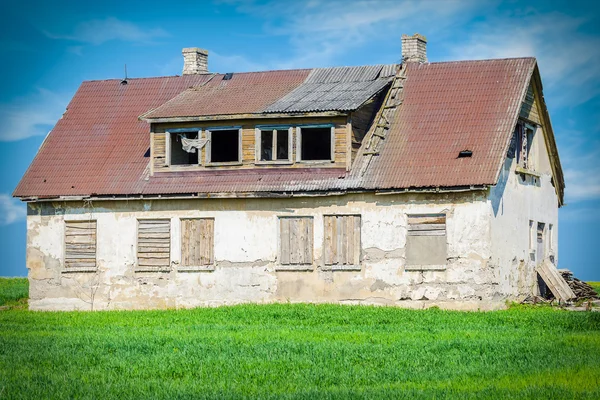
225	117
236	195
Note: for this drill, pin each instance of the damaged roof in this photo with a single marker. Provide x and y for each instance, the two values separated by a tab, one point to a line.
100	147
303	90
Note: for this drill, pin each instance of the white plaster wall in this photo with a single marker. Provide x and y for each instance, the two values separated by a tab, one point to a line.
246	251
513	202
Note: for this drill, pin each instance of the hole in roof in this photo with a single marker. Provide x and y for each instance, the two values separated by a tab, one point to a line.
228	76
465	153
147	153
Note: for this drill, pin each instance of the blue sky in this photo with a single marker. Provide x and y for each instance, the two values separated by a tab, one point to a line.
49	48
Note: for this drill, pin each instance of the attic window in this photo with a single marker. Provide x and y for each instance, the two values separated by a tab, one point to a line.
465	153
315	143
224	146
184	148
524	139
273	145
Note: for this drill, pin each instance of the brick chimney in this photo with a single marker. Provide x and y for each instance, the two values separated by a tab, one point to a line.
414	48
195	61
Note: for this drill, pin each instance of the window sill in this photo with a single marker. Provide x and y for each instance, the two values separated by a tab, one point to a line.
71	270
521	170
282	162
152	269
223	164
294	268
200	268
425	268
341	268
315	162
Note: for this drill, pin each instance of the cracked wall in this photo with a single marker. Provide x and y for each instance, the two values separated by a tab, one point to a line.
246	254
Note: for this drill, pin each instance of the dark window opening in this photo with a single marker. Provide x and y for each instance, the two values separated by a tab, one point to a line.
178	155
274	145
316	144
224	146
465	153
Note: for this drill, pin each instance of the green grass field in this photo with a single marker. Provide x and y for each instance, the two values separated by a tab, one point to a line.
595	285
297	351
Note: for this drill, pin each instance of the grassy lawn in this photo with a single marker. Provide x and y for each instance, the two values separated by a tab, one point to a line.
299	351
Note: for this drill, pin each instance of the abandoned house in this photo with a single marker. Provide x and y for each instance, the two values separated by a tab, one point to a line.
413	184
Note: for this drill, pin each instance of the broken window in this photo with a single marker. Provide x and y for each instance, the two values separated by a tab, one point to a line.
197	242
273	144
426	240
224	145
341	240
524	139
184	147
315	143
154	243
80	244
296	240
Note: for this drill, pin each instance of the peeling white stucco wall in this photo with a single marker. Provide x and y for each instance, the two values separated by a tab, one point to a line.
246	252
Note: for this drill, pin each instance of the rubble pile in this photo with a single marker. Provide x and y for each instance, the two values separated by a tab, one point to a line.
582	290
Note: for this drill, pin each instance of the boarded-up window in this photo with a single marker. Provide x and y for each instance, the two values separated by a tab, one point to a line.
80	244
296	240
197	241
154	243
341	240
426	240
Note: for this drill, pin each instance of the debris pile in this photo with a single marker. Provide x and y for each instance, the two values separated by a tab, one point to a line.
582	290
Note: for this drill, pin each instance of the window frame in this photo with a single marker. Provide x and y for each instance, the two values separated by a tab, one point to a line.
258	144
201	267
208	147
299	143
426	267
146	268
295	267
66	269
168	133
357	253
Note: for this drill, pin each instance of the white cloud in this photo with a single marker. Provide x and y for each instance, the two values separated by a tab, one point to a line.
11	210
98	31
567	58
321	31
31	116
34	115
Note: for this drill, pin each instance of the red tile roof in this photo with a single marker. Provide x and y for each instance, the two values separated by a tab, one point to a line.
244	93
100	147
449	107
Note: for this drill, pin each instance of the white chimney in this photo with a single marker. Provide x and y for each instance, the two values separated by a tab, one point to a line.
195	61
414	48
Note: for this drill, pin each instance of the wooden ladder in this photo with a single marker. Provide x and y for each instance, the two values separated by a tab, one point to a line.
384	118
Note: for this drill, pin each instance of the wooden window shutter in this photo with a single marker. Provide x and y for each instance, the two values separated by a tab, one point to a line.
341	239
154	243
80	244
296	240
426	240
197	241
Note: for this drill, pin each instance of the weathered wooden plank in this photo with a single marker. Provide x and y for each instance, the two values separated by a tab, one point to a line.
90	239
146	249
284	241
357	241
159	221
328	239
160	235
143	261
80	225
81	256
559	287
152	254
80	264
210	258
154	242
79	247
427	233
426	219
341	240
426	227
79	232
349	220
154	228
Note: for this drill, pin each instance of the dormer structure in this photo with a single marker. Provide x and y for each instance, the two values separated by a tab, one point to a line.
413	184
